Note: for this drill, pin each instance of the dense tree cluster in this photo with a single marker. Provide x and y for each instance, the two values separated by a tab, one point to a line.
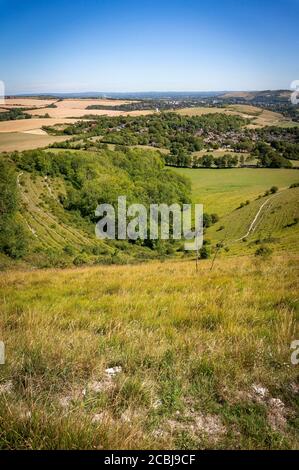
14	114
181	158
94	179
12	235
287	150
270	158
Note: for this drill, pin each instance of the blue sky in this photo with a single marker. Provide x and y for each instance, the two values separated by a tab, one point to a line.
129	45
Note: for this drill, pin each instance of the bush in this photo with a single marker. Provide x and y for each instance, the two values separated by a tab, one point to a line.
80	260
69	250
264	251
273	190
13	239
204	253
214	218
243	204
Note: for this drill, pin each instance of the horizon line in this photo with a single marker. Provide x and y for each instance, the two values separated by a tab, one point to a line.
50	93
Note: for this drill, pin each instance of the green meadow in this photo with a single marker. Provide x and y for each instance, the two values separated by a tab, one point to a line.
223	190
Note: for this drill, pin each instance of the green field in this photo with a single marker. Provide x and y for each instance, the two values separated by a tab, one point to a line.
222	191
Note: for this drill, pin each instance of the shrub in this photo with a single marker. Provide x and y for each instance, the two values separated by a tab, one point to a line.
264	251
80	260
243	204
273	190
214	218
69	250
204	253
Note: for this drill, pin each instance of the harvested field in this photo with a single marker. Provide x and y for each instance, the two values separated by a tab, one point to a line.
65	108
78	108
11	141
27	102
23	125
83	103
79	113
35	132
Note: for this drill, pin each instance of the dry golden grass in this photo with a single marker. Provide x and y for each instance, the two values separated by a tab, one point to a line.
23	125
238	94
204	357
27	102
83	103
11	141
200	111
66	108
78	108
78	113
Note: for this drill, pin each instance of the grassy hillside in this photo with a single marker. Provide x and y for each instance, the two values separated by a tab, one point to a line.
272	220
264	219
203	360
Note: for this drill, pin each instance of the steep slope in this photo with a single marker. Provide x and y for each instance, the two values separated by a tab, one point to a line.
272	219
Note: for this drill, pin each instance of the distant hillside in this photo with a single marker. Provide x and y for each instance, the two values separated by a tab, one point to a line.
282	95
262	96
274	100
128	95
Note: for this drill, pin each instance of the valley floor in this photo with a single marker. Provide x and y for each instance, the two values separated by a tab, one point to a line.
151	356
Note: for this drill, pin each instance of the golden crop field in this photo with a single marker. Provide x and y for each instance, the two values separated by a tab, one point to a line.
61	112
24	125
27	102
26	134
11	141
78	107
